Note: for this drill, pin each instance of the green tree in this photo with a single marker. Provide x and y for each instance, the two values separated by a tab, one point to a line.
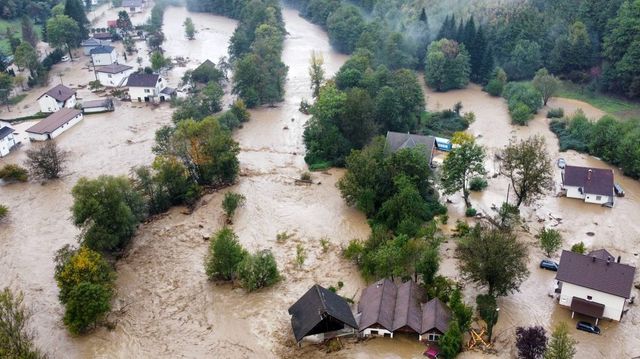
524	60
258	270
212	97
345	25
25	56
231	202
428	265
123	23
531	342
461	312
316	72
189	29
11	173
527	165
29	35
224	256
579	248
86	305
493	258
158	61
63	31
550	240
108	209
561	345
75	10
488	310
74	266
6	85
462	164
451	342
46	161
546	84
447	65
16	340
621	49
173	180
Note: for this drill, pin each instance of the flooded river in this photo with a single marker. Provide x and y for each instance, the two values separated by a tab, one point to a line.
165	307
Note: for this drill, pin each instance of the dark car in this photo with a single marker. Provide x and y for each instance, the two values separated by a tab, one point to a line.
618	190
588	327
548	264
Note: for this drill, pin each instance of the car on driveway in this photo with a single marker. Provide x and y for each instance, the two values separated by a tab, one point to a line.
561	163
588	327
549	264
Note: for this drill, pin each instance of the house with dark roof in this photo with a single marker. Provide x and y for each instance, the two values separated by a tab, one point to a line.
596	285
114	75
386	308
146	88
7	140
593	185
54	125
57	97
91	43
397	141
103	55
320	311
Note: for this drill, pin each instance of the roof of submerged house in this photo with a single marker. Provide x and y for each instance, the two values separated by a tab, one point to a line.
142	80
5	131
102	49
396	141
113	68
435	315
378	304
597	181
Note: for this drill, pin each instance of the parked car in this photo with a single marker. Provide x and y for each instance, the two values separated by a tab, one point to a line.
588	327
618	190
561	163
549	264
65	58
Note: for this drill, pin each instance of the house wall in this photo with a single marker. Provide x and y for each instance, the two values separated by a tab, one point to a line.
613	305
58	131
135	9
71	102
104	59
49	104
431	336
37	136
6	144
113	80
574	192
87	50
592	198
376	332
95	109
139	93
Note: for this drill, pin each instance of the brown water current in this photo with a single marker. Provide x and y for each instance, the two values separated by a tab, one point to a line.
165	307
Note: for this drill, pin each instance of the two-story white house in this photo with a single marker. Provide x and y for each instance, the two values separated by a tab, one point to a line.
114	75
54	125
57	97
595	285
91	43
593	185
7	140
103	55
146	88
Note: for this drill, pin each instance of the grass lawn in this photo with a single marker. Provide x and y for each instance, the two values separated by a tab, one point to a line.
615	106
17	30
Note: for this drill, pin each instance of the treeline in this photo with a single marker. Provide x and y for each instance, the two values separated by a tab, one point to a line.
615	142
38	10
255	49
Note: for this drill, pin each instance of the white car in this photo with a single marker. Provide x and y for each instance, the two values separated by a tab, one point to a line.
65	58
561	163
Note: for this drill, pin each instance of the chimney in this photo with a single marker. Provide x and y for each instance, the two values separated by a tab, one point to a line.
608	260
589	174
618	261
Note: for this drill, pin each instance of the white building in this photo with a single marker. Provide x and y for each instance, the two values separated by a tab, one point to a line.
133	6
114	75
103	55
593	185
55	124
91	43
595	285
146	88
95	106
56	98
7	140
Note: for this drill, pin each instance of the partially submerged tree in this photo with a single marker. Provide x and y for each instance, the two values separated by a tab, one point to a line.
451	342
16	340
316	72
528	166
258	270
488	310
230	203
63	32
189	29
462	164
29	34
550	240
13	173
531	342
46	161
224	256
562	345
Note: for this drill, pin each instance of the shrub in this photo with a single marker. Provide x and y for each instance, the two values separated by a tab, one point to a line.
520	113
470	212
4	211
462	228
87	304
225	253
305	176
444	218
354	251
16	340
478	184
494	87
550	240
13	173
258	270
555	113
74	266
579	248
301	255
516	92
230	203
46	161
324	243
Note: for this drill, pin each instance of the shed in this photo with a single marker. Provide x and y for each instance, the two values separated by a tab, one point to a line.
320	311
95	106
55	124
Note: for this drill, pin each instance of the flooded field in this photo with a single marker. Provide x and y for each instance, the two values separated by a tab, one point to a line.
166	308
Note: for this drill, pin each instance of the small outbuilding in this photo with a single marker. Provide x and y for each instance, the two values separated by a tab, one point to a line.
54	125
593	185
57	97
95	106
114	75
397	141
7	140
320	311
104	55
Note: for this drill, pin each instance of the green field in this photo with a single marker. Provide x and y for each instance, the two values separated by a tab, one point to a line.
17	29
615	106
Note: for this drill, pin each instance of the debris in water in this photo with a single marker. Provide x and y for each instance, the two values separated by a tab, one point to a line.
590	234
285	128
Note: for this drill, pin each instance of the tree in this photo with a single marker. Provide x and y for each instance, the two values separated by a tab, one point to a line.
531	342
621	49
451	342
224	256
6	85
231	202
528	166
87	304
74	266
447	65
524	60
546	84
428	265
461	312
158	61
316	72
16	340
189	29
75	10
63	31
29	35
258	270
488	310
579	248
123	23
108	209
26	57
462	164
550	240
493	258
345	25
46	161
562	345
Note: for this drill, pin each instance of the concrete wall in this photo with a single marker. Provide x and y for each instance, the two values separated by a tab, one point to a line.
49	104
95	109
613	305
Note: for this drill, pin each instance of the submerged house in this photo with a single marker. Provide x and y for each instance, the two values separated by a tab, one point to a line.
103	55
114	75
7	140
146	88
595	285
54	125
91	43
593	185
396	141
57	97
320	311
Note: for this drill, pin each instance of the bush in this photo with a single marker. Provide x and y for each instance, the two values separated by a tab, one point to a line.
305	176
230	203
16	340
550	240
46	161
470	212
478	184
520	113
301	255
354	251
87	304
225	253
4	211
579	248
13	173
258	270
555	113
462	228
494	87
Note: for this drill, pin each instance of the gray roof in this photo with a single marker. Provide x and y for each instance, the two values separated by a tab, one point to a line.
102	35
113	68
96	103
377	305
435	315
408	312
91	42
142	80
596	273
5	131
54	121
131	3
102	49
397	141
168	91
60	93
319	311
597	181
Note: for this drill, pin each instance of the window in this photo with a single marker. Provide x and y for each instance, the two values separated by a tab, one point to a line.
147	90
589	297
374	332
109	76
598	198
433	337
